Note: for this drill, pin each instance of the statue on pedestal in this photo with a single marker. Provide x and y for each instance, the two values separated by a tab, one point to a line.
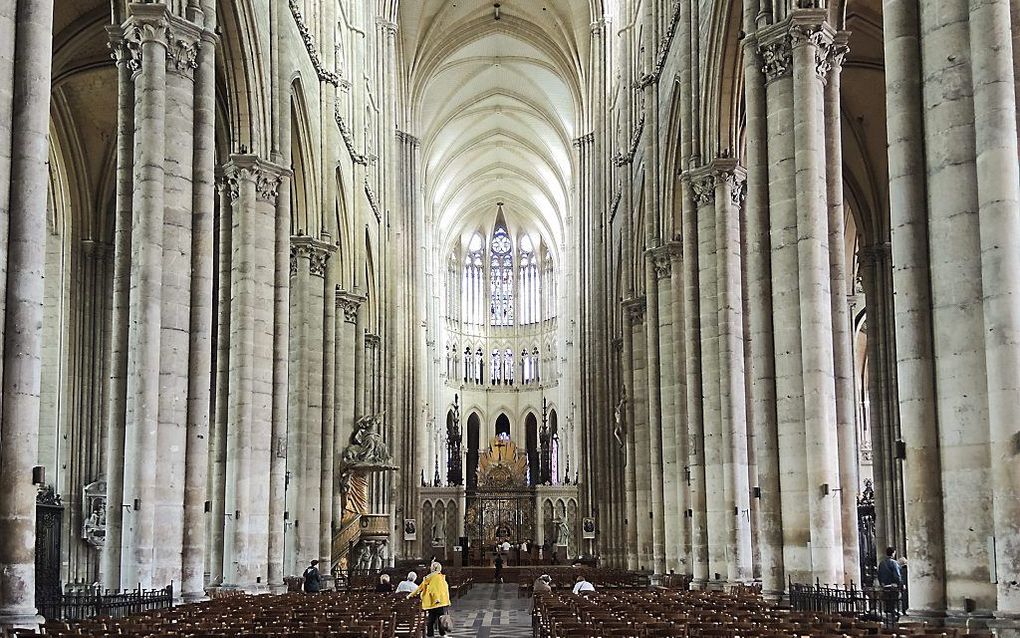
366	446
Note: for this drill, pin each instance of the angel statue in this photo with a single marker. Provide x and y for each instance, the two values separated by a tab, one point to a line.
366	446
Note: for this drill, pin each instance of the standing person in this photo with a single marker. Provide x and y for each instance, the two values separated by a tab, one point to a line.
499	567
409	584
313	580
435	598
891	579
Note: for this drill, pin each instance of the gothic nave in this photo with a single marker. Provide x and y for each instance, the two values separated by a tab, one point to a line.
723	288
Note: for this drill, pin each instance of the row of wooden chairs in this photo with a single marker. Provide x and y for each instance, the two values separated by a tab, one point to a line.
664	613
325	615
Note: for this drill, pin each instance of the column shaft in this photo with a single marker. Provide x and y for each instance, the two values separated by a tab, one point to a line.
914	329
23	311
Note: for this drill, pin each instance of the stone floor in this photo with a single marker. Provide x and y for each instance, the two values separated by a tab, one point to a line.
492	611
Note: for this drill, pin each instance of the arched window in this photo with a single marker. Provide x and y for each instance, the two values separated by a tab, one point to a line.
528	282
496	367
478	365
508	367
472	283
468	367
503	426
501	276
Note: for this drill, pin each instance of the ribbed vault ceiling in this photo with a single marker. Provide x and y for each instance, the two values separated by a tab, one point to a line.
496	104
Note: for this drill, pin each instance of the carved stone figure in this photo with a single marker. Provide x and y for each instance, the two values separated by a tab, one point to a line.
620	431
562	532
366	445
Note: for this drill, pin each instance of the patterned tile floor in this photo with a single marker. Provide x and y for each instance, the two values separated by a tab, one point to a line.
492	611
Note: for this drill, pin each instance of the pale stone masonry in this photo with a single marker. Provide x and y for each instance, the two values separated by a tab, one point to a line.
764	262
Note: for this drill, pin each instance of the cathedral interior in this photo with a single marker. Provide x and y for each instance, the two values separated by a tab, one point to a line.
726	289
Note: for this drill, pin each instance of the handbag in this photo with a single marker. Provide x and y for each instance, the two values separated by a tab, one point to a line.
446	622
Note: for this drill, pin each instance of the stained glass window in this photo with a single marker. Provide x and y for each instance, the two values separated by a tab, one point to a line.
501	274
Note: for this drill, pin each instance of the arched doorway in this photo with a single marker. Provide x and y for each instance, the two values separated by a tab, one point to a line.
474	425
531	443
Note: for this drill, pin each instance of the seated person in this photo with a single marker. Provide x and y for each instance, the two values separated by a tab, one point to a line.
409	584
582	584
384	586
542	585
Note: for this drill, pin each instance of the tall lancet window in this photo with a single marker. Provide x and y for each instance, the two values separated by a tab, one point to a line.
501	275
473	283
528	282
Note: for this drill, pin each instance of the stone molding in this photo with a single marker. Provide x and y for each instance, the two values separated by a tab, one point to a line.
372	340
316	251
623	158
266	176
373	203
407	138
652	77
349	303
587	138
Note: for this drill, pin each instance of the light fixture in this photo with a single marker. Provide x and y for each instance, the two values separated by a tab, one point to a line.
495	7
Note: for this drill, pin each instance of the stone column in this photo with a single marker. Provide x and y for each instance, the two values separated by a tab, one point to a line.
729	195
24	254
662	263
146	35
717	516
762	400
695	471
200	346
774	49
218	433
811	38
680	520
253	185
843	362
958	298
630	474
998	181
175	296
915	357
655	442
347	305
109	568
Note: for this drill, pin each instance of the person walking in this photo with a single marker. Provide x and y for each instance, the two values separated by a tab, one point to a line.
409	584
435	599
499	567
313	580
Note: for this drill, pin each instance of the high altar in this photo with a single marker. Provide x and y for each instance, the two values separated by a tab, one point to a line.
503	505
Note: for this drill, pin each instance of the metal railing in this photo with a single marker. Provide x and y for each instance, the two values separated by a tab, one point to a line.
81	603
881	604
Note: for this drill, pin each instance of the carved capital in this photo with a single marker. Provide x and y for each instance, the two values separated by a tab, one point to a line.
265	176
730	175
660	261
703	189
315	251
349	303
776	59
635	309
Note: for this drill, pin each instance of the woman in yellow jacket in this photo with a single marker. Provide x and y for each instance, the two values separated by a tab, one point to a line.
435	598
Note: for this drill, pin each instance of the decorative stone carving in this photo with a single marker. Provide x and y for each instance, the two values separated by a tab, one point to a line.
349	303
661	262
366	447
776	59
635	309
313	51
372	201
316	252
703	189
93	513
249	168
